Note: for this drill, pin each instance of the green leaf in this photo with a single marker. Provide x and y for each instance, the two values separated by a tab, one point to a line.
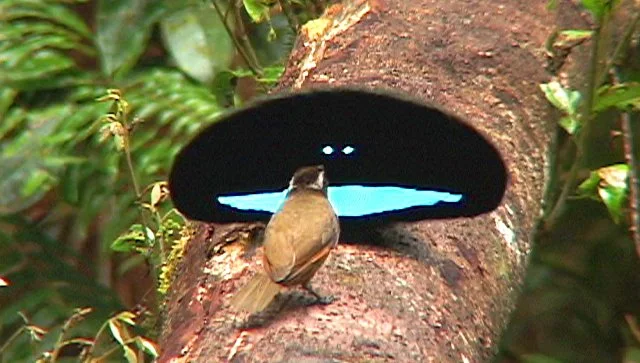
44	10
7	96
123	30
271	74
25	175
130	354
571	38
613	189
589	187
273	40
563	99
197	40
599	8
115	327
40	66
13	56
621	96
147	346
37	183
256	9
17	30
570	124
575	34
126	317
609	184
138	236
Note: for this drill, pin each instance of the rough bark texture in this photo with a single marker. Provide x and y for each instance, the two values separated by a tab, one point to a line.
430	291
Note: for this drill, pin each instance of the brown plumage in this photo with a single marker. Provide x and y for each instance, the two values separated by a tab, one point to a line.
297	241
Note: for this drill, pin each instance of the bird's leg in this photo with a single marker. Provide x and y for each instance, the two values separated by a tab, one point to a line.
324	300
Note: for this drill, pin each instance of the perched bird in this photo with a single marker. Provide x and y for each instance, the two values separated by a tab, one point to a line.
297	241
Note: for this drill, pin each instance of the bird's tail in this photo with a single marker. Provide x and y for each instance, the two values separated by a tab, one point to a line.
256	295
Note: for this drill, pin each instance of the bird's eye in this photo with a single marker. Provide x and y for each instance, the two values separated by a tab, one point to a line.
348	150
327	150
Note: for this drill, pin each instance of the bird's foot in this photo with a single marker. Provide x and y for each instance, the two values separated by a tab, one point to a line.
320	299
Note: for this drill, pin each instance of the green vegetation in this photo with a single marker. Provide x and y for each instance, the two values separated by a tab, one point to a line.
580	298
96	98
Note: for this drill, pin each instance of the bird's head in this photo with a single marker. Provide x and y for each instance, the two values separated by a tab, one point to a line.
309	178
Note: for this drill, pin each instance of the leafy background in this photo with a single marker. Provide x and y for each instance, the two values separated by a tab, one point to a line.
96	98
163	70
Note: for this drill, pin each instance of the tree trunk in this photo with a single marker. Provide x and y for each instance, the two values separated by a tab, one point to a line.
428	291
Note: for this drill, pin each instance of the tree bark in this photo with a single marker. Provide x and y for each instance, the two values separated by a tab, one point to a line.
428	291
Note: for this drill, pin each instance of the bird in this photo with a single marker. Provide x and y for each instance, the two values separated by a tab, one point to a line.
297	240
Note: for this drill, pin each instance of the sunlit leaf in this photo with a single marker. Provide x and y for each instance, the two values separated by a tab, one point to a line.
609	184
256	9
196	38
613	189
123	30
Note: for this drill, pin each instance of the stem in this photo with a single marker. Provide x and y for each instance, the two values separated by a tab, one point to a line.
241	50
114	349
134	180
630	158
244	38
621	48
161	240
586	119
155	264
60	343
13	337
629	153
95	340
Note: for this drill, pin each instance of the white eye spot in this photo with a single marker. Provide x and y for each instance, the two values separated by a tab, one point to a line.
327	150
348	150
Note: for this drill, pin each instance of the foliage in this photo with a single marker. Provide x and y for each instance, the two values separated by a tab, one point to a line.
96	98
580	296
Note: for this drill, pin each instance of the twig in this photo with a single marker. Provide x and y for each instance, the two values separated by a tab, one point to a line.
13	337
586	118
629	155
244	39
620	48
241	50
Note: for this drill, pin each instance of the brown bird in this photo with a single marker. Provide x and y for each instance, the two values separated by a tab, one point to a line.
297	241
